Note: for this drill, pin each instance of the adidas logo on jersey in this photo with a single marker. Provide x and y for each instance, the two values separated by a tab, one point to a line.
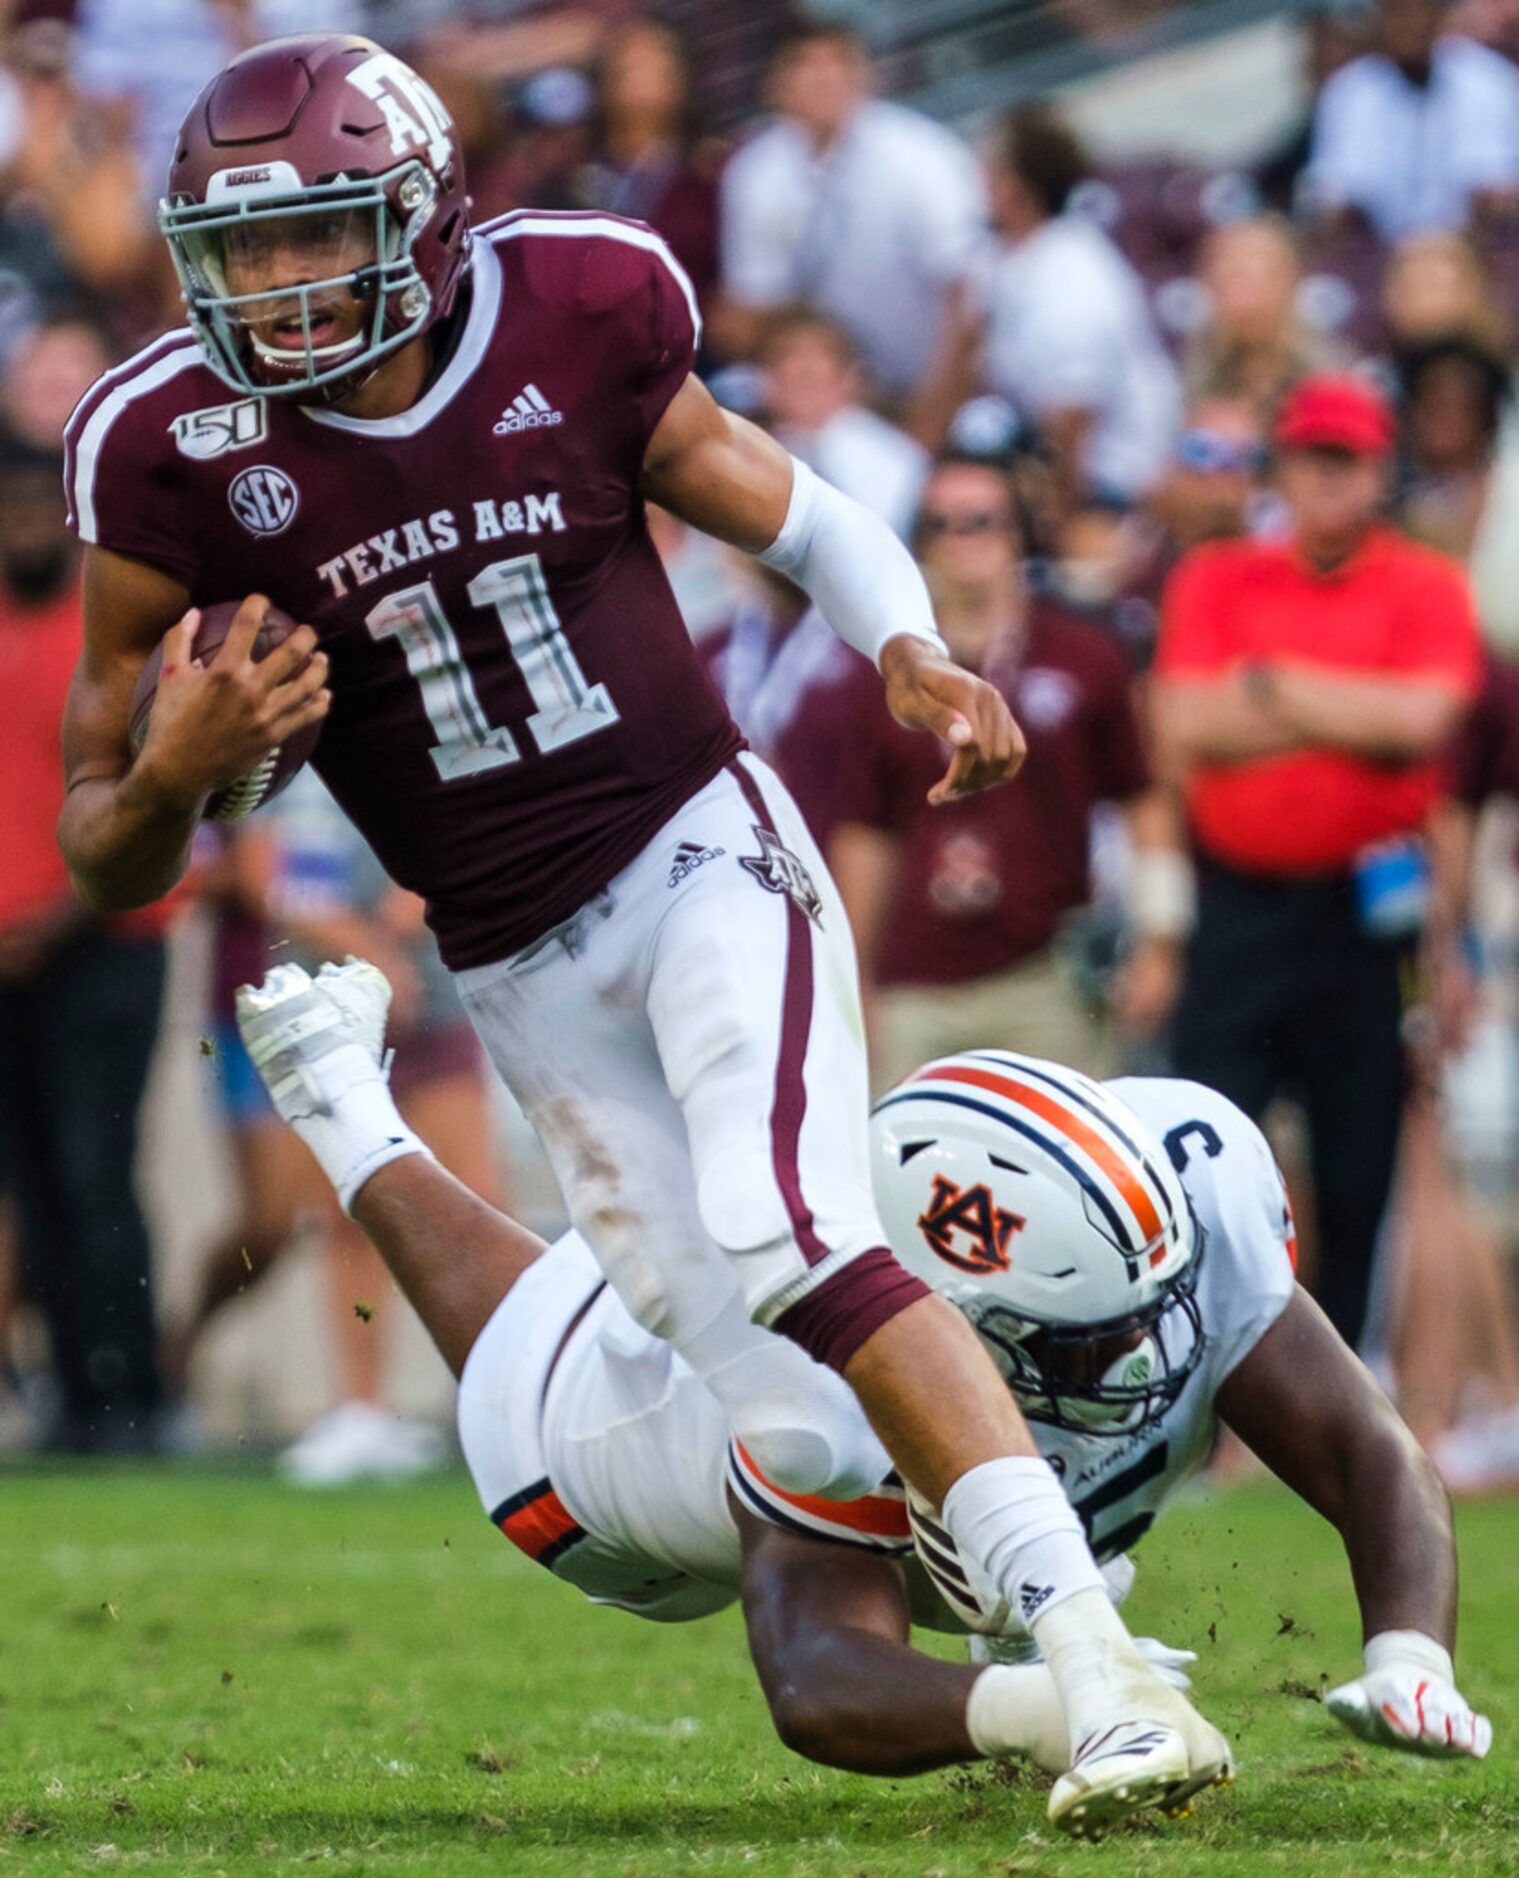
688	857
529	410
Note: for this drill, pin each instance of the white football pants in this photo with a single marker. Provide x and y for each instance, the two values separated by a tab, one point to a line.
690	1049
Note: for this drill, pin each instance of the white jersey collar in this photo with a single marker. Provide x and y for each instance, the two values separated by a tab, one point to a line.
479	324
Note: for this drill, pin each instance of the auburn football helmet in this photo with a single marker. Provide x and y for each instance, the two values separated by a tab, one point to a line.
317	214
1043	1207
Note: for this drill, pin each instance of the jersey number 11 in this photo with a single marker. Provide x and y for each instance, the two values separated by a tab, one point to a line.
566	707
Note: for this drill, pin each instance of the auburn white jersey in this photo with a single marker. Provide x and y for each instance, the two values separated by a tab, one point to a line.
616	1473
1118	1483
601	1454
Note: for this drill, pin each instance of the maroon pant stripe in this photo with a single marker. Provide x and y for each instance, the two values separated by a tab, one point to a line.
790	1102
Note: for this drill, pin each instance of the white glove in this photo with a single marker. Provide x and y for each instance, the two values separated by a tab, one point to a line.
1014	1707
1408	1699
1169	1665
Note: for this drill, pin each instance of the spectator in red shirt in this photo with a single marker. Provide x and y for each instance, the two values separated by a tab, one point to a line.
1304	692
957	910
79	1005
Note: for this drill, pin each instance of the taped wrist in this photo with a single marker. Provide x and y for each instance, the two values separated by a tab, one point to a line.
865	583
1015	1709
356	1133
1162	897
1409	1649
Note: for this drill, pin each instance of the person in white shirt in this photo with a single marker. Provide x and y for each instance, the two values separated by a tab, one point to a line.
861	207
1418	135
813	386
153	56
1055	320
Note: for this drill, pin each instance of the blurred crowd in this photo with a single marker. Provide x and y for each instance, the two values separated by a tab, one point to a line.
1215	472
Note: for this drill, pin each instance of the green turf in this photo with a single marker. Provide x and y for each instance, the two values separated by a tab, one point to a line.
210	1673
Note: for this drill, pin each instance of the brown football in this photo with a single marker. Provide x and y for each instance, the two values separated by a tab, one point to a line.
266	779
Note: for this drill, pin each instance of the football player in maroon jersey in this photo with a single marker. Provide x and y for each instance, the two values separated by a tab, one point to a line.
434	443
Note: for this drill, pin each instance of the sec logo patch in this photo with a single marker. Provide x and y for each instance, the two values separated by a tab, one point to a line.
264	499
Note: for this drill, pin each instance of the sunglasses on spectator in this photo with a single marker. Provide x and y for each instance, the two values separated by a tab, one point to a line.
1212	452
935	522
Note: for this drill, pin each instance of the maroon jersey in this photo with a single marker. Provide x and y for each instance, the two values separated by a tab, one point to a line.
517	706
1484	759
769	683
984	881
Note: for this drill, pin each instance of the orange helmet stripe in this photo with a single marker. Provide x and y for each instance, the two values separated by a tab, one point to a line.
1135	1195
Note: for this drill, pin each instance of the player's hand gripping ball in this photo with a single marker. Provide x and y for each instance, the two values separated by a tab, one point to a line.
290	698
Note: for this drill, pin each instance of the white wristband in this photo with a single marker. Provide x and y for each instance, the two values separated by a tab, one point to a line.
1409	1649
1016	1710
866	585
1162	898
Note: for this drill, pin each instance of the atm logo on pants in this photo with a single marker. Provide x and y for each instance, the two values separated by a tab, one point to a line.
776	868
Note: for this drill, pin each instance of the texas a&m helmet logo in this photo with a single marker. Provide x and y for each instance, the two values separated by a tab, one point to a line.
965	1227
264	499
413	112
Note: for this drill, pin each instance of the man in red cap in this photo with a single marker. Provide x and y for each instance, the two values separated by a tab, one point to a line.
1304	692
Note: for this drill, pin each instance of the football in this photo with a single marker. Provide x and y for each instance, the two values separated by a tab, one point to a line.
279	768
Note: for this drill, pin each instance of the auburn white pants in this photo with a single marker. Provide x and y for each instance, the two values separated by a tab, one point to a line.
690	1050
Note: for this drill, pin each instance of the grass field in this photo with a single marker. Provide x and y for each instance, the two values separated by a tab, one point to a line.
205	1672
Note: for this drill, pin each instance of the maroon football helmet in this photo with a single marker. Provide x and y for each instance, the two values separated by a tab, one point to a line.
316	213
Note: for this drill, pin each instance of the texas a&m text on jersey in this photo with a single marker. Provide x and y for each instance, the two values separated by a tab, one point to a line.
516	705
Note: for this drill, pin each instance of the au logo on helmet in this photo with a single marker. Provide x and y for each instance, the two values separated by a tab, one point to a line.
986	1229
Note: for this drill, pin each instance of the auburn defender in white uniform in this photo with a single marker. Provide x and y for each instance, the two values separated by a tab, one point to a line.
600	1454
656	1478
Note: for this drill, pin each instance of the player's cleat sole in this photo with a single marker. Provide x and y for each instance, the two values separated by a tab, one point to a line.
1178	1805
1126	1770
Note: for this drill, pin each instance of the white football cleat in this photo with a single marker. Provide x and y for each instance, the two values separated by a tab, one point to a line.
1141	1763
311	1039
359	1441
1121	1771
1481	1454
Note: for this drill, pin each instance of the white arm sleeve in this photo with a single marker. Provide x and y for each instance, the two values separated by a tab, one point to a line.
866	585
